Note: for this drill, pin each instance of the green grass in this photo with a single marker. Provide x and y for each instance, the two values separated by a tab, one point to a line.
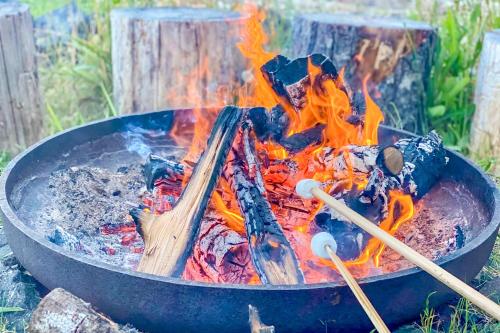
451	89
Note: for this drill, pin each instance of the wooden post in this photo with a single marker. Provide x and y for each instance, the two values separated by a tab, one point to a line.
396	54
485	133
21	107
174	57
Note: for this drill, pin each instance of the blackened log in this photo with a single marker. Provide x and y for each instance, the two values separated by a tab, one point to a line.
272	256
169	238
157	168
290	78
396	54
274	126
424	162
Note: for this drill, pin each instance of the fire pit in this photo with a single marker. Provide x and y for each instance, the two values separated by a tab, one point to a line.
153	303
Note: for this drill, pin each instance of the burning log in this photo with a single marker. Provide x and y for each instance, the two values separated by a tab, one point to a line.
220	255
395	54
272	255
290	78
162	56
157	168
62	312
169	238
424	161
274	126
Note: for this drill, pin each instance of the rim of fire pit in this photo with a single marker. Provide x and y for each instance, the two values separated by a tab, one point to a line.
6	208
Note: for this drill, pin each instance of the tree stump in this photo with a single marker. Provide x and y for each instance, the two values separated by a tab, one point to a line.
21	107
395	55
62	312
174	57
485	132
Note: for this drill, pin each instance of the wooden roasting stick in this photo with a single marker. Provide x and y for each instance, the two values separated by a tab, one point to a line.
169	238
452	282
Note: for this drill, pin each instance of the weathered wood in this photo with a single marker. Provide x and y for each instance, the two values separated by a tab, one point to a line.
256	325
21	107
485	133
174	57
272	255
169	238
62	312
396	54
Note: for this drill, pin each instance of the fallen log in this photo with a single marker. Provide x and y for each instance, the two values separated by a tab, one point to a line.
169	238
272	255
62	312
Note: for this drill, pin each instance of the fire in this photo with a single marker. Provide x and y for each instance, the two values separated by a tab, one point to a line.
327	103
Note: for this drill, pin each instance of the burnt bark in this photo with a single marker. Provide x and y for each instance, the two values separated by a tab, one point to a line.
272	255
396	54
169	238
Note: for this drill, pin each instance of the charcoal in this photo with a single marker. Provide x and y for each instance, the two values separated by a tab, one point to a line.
297	142
157	168
261	123
68	241
424	162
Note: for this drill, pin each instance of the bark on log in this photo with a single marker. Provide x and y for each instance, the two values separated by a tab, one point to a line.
169	238
397	54
485	135
62	312
272	255
168	57
21	107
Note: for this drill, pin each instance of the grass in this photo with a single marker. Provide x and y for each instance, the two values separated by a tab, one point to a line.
451	89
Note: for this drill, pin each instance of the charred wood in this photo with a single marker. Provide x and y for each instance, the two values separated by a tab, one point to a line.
272	255
424	162
169	238
157	168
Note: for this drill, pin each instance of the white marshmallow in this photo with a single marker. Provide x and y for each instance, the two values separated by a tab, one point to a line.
304	187
320	241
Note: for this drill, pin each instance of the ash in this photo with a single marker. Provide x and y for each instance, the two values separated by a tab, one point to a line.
89	212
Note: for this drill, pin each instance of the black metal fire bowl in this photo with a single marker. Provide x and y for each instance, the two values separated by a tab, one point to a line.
162	304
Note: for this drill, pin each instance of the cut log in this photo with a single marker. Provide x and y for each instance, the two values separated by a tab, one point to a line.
395	54
174	57
21	106
272	255
256	325
169	238
424	162
485	133
62	312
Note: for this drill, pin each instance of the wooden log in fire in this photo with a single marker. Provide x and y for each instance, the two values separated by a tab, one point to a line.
174	57
272	255
21	105
169	238
396	54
